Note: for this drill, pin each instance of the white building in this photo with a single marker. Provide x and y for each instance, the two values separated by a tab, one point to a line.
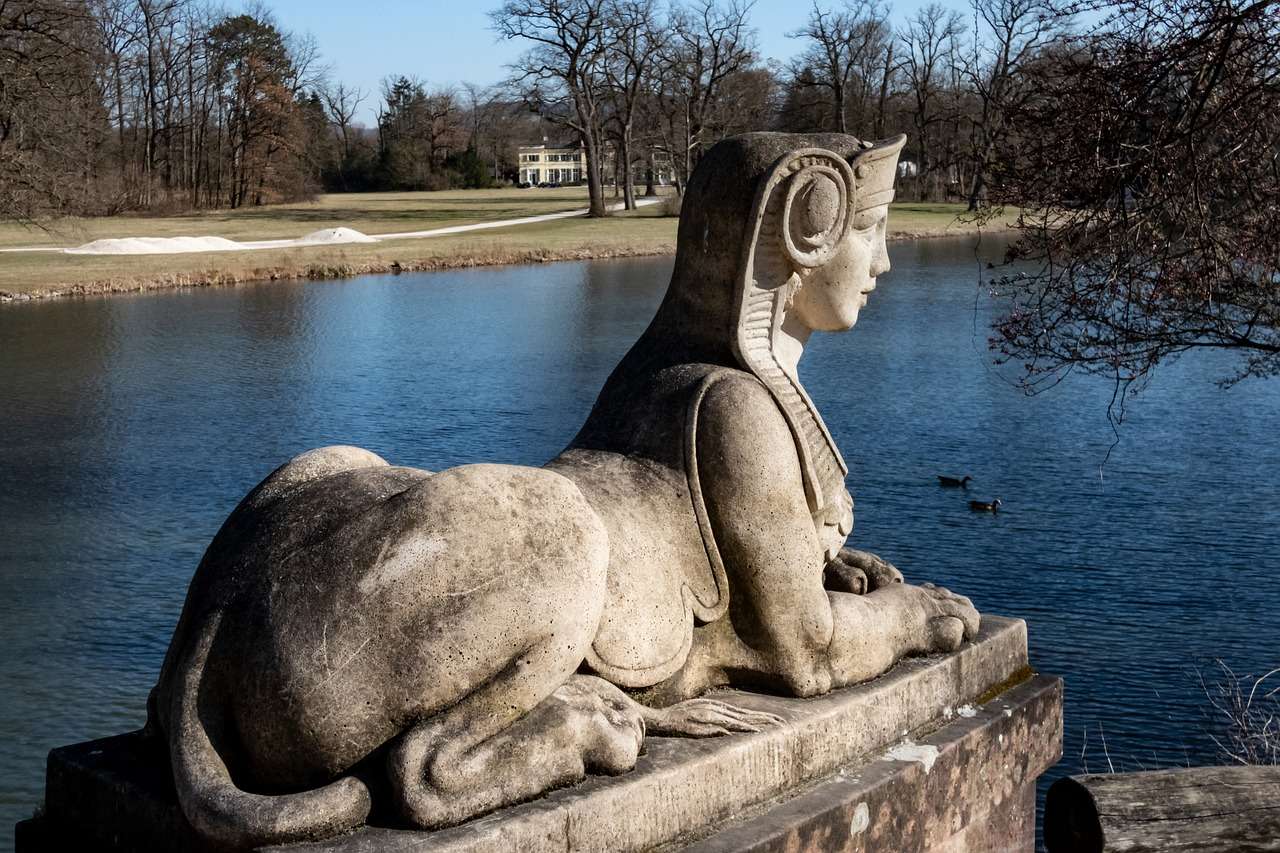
567	164
547	164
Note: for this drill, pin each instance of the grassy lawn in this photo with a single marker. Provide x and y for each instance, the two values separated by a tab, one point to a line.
372	213
642	232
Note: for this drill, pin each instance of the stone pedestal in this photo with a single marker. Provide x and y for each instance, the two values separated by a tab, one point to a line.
940	754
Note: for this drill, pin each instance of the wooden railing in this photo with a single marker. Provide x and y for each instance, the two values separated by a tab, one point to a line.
1194	809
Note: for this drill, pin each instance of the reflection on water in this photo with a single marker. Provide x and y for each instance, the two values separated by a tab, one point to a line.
131	426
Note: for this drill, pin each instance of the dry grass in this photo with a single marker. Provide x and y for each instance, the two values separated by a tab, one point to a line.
38	275
1248	707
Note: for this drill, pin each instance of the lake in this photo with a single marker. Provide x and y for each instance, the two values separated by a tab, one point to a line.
133	425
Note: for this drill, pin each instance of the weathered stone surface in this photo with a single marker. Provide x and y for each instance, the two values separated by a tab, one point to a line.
119	794
971	791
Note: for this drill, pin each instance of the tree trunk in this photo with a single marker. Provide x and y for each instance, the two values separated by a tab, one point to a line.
124	160
837	98
595	191
628	182
978	189
688	153
650	190
884	93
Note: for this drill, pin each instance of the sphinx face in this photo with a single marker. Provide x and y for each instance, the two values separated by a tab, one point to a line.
831	295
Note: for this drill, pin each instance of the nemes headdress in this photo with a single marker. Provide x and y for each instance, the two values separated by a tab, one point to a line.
803	210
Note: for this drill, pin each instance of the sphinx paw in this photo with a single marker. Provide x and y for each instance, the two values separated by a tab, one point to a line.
948	605
860	572
607	725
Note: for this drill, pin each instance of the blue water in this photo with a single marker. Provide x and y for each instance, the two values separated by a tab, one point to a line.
130	427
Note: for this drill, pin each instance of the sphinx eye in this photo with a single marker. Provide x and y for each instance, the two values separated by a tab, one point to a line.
868	221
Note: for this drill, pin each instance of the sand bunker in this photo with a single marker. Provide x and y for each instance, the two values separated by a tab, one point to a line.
178	245
153	246
336	235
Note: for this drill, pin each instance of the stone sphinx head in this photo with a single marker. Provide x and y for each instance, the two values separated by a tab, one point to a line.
819	244
780	235
779	227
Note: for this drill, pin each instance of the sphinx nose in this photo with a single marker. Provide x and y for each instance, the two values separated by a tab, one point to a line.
880	263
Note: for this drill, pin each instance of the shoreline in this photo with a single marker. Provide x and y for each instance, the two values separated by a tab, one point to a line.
317	271
322	269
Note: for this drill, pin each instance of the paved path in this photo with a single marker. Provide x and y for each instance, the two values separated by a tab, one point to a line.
181	245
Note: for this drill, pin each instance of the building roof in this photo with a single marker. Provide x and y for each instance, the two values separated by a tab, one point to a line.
575	144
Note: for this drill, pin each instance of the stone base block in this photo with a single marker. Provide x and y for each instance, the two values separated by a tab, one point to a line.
969	786
940	754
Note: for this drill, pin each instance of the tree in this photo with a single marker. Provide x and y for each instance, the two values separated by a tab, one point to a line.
1015	30
1147	156
633	44
254	70
928	48
341	103
315	143
498	125
51	117
404	160
804	109
708	44
842	45
562	76
445	130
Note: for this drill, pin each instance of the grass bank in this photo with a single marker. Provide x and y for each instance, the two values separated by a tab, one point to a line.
39	275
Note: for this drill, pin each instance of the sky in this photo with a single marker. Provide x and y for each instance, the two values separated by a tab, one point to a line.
449	41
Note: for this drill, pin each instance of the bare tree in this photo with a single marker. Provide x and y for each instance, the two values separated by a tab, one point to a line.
342	103
562	76
633	44
497	123
444	129
478	100
1013	32
709	42
1145	157
846	51
929	43
51	118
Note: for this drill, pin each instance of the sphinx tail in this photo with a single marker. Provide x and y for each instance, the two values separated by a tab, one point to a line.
224	813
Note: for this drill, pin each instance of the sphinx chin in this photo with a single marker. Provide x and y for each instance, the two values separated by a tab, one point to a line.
844	320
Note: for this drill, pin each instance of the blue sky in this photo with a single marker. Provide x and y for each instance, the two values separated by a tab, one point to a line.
449	41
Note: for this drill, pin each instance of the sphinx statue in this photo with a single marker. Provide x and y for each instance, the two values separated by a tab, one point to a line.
361	636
